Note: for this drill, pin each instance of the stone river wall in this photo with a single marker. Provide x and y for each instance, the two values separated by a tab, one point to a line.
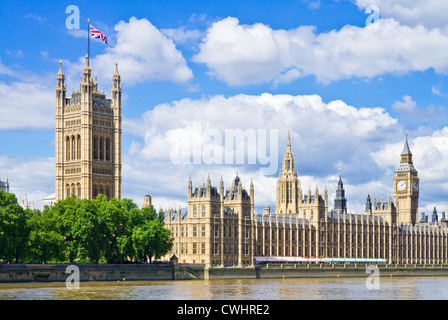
148	272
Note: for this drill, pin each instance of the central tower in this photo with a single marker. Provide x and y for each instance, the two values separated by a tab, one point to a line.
88	138
288	185
406	188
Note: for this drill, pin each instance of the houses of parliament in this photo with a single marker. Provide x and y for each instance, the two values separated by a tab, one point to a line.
220	226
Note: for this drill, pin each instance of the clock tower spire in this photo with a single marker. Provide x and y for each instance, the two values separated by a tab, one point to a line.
406	188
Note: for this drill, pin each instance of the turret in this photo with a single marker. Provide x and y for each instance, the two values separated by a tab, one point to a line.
368	204
221	188
60	86
116	85
190	187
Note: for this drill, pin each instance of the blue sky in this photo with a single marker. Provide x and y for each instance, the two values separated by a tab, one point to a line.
348	91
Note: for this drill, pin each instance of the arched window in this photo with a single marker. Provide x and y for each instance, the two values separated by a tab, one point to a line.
79	190
107	149
95	147
73	151
101	190
78	146
73	189
95	190
101	148
67	148
67	190
107	192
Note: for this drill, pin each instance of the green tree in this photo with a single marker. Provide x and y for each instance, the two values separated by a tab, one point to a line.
116	215
13	228
44	243
151	240
89	231
60	219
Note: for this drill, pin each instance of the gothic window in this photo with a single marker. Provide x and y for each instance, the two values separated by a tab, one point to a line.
95	190
67	190
101	190
290	192
95	147
67	148
78	147
283	193
195	211
73	153
108	192
107	149
101	148
203	211
79	190
73	189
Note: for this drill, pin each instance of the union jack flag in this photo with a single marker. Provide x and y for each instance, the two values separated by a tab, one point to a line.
94	33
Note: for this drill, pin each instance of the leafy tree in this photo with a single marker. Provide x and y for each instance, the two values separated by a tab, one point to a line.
116	215
44	243
88	231
151	240
60	218
97	230
13	228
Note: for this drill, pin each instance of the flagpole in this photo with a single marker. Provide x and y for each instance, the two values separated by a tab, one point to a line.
88	41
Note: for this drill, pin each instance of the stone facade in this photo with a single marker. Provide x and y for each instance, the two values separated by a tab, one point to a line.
88	138
220	228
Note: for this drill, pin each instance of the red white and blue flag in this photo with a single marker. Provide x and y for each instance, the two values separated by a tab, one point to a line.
94	33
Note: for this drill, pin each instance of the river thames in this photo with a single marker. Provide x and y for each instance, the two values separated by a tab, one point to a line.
394	288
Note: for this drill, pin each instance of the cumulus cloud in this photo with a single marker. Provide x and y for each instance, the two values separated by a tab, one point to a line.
249	54
430	116
429	13
143	53
31	177
182	35
34	100
328	139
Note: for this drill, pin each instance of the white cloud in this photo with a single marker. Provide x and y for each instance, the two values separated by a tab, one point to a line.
144	54
430	116
327	139
26	105
181	35
429	13
248	54
407	105
31	177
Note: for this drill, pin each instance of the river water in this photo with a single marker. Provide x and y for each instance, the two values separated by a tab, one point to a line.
402	288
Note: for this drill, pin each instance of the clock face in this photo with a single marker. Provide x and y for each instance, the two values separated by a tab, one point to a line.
415	185
401	185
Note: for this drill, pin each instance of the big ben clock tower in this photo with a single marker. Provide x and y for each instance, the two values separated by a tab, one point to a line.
406	188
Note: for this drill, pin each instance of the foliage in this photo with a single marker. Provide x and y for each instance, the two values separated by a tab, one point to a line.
114	231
